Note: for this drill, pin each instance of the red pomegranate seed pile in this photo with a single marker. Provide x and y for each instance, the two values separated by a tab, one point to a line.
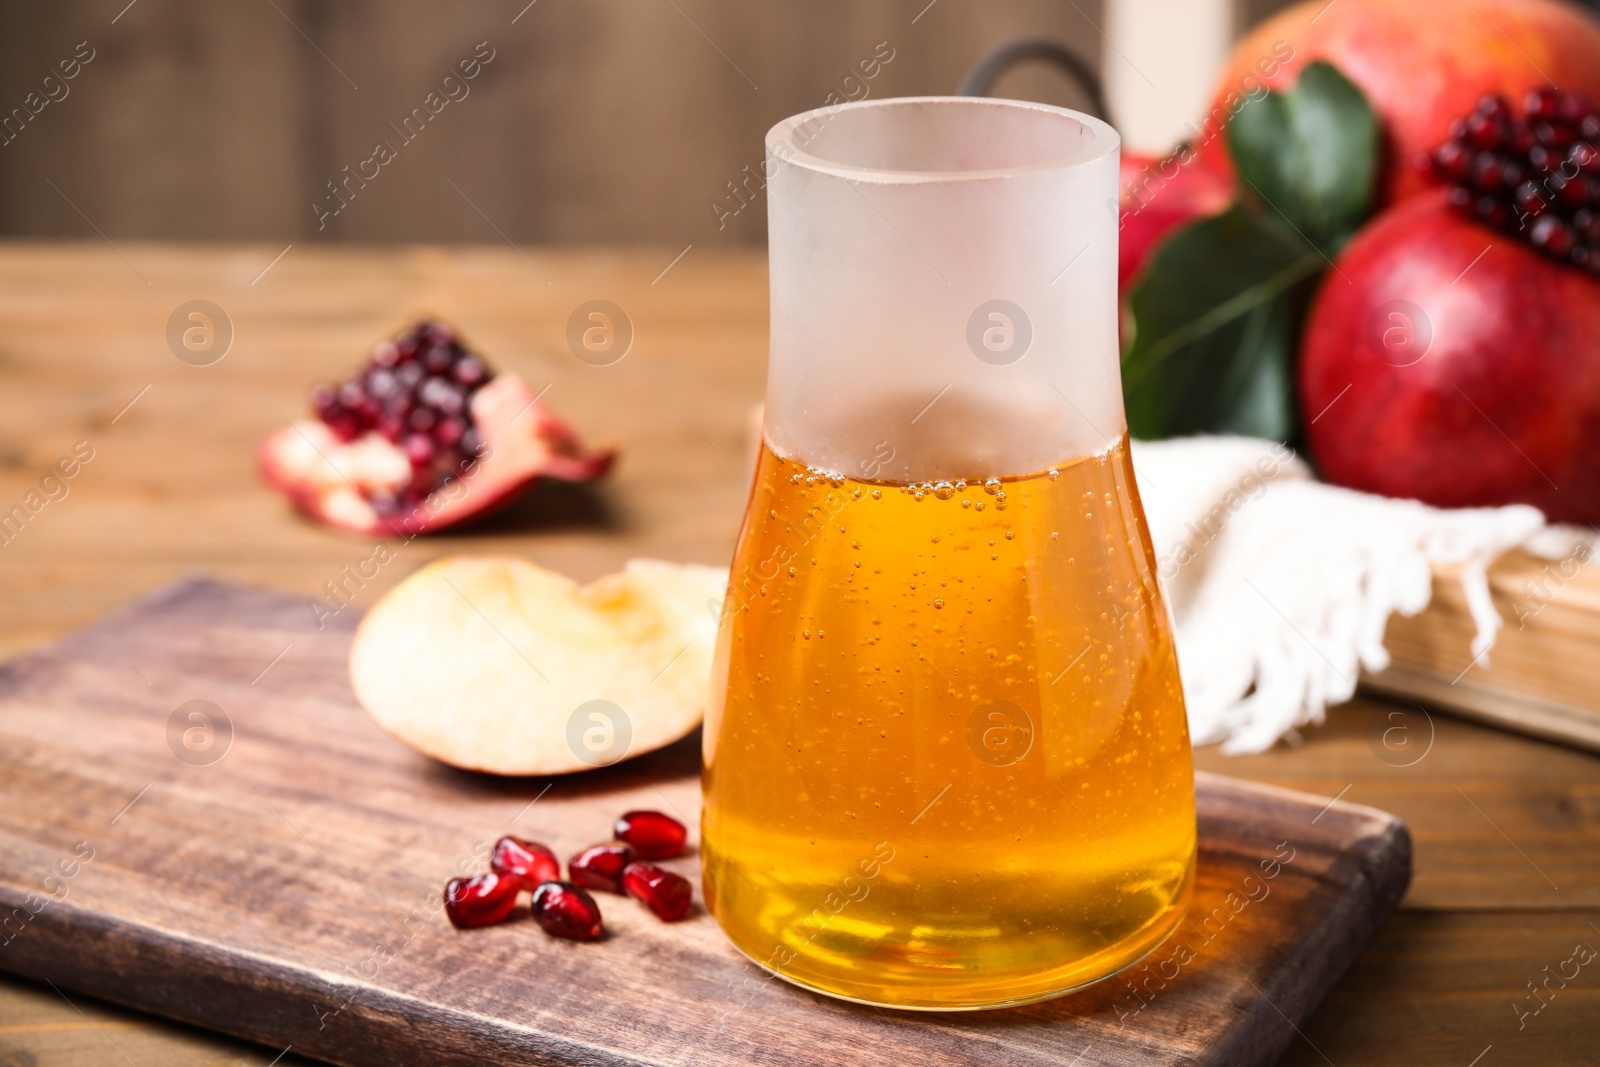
1536	175
416	391
565	908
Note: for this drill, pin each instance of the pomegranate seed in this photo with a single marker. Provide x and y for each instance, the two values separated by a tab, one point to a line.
1492	211
1531	198
565	910
382	384
438	391
482	900
422	419
654	836
1581	192
437	358
410	374
418	449
1485	130
527	861
600	867
345	426
1554	135
449	431
1553	235
663	892
429	391
1488	171
1543	104
469	371
1452	159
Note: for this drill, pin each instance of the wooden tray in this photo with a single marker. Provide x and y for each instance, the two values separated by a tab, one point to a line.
288	891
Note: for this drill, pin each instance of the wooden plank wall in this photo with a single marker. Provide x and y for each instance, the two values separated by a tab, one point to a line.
596	120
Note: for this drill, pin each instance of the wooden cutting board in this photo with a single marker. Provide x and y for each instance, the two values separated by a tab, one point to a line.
281	883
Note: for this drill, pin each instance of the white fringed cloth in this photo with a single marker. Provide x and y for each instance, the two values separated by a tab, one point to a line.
1280	586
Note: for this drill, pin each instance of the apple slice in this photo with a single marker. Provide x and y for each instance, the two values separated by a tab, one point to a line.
495	664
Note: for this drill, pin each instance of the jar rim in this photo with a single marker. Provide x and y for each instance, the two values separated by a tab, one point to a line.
786	144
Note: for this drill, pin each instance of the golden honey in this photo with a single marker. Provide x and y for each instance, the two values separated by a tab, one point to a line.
947	761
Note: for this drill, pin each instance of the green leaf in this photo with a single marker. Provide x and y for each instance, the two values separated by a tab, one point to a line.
1310	154
1217	313
1217	310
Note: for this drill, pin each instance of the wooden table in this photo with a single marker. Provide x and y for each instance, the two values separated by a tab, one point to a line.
1507	830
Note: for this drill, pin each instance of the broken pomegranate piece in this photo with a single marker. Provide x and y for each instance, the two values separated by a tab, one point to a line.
529	862
600	867
663	892
482	900
565	910
653	835
424	437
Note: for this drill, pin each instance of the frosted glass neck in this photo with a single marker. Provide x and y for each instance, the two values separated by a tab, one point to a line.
944	288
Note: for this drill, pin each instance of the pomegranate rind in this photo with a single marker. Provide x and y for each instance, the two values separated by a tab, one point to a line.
484	663
326	479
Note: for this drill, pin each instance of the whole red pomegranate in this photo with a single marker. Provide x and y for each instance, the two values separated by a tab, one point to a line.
1450	363
1421	63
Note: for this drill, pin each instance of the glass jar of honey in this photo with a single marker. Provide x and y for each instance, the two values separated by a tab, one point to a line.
947	764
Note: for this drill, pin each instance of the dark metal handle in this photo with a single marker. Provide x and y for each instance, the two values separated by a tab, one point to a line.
993	63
